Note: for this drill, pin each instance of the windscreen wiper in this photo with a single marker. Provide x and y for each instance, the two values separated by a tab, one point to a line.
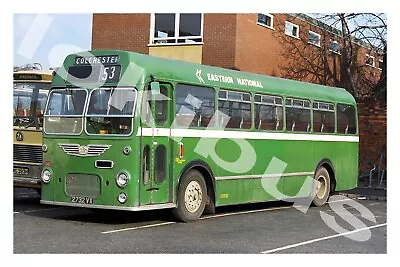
33	121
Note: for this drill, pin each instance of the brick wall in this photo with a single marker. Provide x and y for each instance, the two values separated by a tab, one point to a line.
372	128
121	31
219	35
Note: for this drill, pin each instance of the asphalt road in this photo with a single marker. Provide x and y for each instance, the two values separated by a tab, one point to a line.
275	227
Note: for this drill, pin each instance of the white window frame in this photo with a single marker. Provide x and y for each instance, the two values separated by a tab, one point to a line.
294	25
319	38
380	60
176	37
334	41
265	25
368	56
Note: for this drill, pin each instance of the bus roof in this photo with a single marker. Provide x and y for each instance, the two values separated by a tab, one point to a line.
33	75
186	72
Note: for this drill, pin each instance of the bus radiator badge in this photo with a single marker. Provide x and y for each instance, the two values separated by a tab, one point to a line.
19	136
83	150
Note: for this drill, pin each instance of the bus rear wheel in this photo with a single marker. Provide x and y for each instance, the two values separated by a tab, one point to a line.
192	196
322	187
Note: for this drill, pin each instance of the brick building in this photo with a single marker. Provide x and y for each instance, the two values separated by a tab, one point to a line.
292	46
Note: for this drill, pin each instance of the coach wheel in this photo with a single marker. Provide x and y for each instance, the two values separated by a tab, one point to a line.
322	187
192	196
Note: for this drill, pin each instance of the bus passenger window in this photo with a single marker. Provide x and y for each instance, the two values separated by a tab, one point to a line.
195	105
346	119
268	112
298	115
324	117
238	107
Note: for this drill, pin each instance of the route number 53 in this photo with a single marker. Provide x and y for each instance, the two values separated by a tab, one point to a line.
108	73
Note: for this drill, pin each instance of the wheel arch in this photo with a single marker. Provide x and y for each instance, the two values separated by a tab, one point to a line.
207	173
327	164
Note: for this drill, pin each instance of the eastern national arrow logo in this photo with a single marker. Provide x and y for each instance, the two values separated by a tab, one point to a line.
198	75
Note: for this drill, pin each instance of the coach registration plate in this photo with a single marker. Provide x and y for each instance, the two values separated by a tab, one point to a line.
82	200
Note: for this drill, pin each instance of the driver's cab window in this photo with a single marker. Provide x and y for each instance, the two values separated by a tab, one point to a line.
156	107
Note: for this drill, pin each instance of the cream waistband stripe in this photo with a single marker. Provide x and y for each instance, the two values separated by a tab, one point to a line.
167	132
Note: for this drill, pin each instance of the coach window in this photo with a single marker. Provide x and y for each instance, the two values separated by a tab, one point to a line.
346	119
268	112
195	105
298	115
324	117
237	106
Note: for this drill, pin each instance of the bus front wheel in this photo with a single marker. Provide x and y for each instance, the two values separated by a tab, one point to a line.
192	196
321	187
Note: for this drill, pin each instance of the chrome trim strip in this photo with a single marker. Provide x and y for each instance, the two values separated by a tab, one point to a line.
112	164
260	176
27	180
27	163
140	208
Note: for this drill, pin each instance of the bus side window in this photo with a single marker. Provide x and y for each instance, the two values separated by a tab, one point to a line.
237	106
268	113
195	105
324	118
298	115
346	119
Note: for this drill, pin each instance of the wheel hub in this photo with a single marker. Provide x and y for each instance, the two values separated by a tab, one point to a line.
193	196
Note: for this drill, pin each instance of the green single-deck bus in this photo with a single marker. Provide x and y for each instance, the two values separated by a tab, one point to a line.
127	131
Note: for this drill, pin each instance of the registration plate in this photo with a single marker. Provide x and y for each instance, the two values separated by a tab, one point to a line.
82	200
21	171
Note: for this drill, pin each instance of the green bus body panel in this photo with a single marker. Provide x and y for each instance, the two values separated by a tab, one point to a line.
136	66
298	159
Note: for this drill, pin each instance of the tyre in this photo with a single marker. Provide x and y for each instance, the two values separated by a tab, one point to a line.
322	187
39	191
192	197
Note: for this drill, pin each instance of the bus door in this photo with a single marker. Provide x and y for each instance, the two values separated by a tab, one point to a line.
156	180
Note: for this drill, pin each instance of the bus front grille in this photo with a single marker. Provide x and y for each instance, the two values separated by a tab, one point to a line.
27	153
83	185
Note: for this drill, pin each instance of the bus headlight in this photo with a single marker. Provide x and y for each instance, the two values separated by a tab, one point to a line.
122	179
46	176
122	198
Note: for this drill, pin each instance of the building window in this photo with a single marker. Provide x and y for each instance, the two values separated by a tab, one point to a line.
380	64
266	20
334	47
370	60
314	38
291	29
174	28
